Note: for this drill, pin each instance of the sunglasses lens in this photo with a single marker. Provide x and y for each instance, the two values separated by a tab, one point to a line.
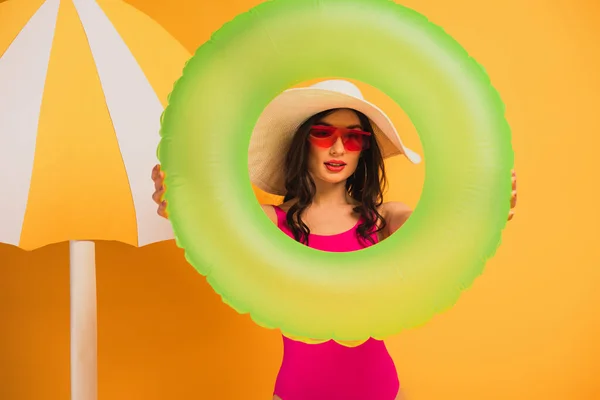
355	142
326	137
322	137
321	133
352	143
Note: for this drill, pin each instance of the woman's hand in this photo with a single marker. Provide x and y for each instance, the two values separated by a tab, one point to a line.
513	197
158	177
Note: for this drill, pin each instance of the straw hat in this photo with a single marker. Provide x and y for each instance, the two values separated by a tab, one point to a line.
279	121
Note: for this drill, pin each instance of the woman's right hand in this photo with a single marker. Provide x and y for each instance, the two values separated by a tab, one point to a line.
158	177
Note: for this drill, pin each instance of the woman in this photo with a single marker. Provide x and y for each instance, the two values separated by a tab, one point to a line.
323	148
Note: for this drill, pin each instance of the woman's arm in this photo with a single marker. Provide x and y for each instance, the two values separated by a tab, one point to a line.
400	395
270	211
395	214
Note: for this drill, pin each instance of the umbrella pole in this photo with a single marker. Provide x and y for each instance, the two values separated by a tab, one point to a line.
84	369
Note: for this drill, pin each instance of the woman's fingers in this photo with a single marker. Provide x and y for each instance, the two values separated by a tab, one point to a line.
158	177
159	181
155	171
162	209
514	180
158	194
513	197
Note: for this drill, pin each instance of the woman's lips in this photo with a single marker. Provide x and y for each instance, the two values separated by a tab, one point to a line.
335	165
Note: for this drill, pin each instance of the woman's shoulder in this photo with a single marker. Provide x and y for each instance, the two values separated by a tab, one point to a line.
270	209
287	205
394	208
395	212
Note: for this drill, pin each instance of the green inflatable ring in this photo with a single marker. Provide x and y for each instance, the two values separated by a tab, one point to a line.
376	292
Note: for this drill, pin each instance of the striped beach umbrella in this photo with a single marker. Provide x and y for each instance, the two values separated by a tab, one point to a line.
83	84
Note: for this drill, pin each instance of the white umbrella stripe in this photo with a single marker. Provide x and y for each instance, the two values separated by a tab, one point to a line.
23	69
135	112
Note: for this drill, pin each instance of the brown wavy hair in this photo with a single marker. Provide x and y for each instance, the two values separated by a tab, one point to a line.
366	184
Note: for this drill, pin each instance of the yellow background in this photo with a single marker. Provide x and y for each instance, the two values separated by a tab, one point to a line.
529	328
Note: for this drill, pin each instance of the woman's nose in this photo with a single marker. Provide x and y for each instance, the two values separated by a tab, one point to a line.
338	147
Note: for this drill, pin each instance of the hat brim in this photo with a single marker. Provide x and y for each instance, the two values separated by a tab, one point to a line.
280	120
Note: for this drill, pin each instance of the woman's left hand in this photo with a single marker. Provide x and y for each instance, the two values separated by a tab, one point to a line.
513	197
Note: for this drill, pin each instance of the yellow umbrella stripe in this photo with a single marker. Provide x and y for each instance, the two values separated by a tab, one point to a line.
159	60
79	188
23	68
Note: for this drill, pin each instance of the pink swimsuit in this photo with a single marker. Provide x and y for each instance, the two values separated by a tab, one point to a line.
329	371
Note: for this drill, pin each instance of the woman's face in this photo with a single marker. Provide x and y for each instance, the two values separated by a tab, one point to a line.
335	162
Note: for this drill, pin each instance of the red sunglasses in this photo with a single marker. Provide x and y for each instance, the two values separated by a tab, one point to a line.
325	136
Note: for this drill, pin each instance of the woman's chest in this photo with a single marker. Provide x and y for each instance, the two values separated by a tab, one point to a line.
325	223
